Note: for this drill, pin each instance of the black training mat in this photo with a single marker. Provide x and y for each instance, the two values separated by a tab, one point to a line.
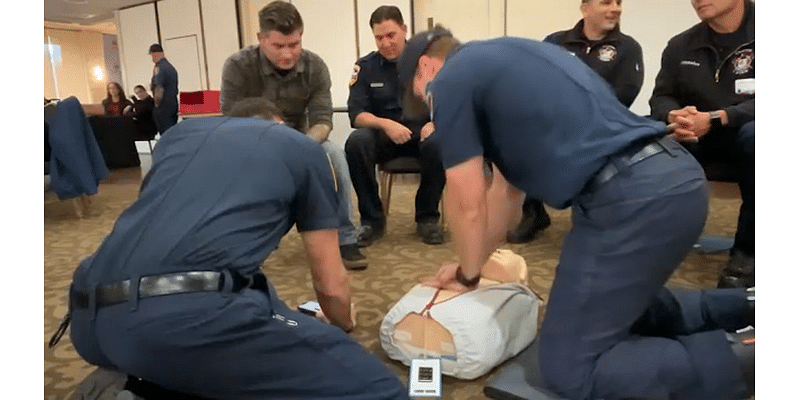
519	379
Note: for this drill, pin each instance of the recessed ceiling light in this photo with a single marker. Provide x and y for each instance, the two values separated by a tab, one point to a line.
81	2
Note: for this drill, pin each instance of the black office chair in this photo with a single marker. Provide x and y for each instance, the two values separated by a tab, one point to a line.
386	173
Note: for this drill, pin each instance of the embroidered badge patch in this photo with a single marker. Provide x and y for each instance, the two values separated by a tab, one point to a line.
743	61
354	76
606	53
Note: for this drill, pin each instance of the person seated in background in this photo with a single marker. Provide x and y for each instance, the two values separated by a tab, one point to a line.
597	41
299	83
381	135
115	101
142	109
707	85
178	297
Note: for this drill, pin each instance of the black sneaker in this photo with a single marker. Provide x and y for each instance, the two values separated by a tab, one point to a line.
368	234
430	232
528	228
352	257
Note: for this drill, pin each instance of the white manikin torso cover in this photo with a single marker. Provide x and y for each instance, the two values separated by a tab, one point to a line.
471	332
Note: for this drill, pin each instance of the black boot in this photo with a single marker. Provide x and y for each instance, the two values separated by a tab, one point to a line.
743	343
740	271
534	219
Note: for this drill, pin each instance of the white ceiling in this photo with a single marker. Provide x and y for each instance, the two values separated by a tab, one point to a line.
85	12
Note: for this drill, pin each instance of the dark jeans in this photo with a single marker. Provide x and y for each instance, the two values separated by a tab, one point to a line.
365	148
736	147
628	236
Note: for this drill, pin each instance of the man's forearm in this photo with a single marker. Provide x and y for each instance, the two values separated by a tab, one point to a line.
466	202
319	132
158	95
369	120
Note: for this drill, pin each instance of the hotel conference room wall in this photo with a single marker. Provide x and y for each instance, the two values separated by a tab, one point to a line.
331	30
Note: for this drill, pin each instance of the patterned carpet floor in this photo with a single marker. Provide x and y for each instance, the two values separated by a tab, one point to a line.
396	263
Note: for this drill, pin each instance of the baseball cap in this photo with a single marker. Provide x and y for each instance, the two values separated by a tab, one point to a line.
407	66
155	48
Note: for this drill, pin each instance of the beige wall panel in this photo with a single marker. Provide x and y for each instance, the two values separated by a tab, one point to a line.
330	33
137	30
652	23
179	19
221	36
248	18
70	72
467	19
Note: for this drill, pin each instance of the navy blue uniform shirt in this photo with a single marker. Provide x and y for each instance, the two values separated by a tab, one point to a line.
220	195
165	76
541	115
374	88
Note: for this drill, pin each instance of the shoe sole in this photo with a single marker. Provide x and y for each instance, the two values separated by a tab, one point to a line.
356	267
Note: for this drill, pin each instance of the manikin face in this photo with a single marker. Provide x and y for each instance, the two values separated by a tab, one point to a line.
281	50
710	9
390	38
140	93
601	15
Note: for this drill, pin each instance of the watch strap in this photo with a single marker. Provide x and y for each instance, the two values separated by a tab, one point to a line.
716	119
470	283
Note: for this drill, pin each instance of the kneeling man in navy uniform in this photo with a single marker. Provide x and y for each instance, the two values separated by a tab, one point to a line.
175	294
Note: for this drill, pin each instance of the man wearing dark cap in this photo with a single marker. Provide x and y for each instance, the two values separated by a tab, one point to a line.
552	128
164	86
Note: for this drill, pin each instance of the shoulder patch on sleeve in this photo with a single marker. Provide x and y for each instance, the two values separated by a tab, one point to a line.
354	76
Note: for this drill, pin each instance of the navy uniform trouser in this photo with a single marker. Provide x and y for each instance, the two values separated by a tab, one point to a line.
628	236
736	147
367	147
246	345
165	118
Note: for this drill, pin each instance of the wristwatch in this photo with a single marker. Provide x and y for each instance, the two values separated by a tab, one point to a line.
470	283
716	119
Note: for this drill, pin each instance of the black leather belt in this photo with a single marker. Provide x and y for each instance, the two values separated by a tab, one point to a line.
160	285
621	161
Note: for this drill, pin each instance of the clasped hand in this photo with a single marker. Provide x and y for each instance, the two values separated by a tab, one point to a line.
688	124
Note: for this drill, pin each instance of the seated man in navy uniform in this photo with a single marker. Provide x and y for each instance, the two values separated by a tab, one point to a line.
175	294
617	57
381	134
707	84
552	128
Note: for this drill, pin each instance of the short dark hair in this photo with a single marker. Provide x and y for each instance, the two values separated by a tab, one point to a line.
255	107
139	86
280	16
386	13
